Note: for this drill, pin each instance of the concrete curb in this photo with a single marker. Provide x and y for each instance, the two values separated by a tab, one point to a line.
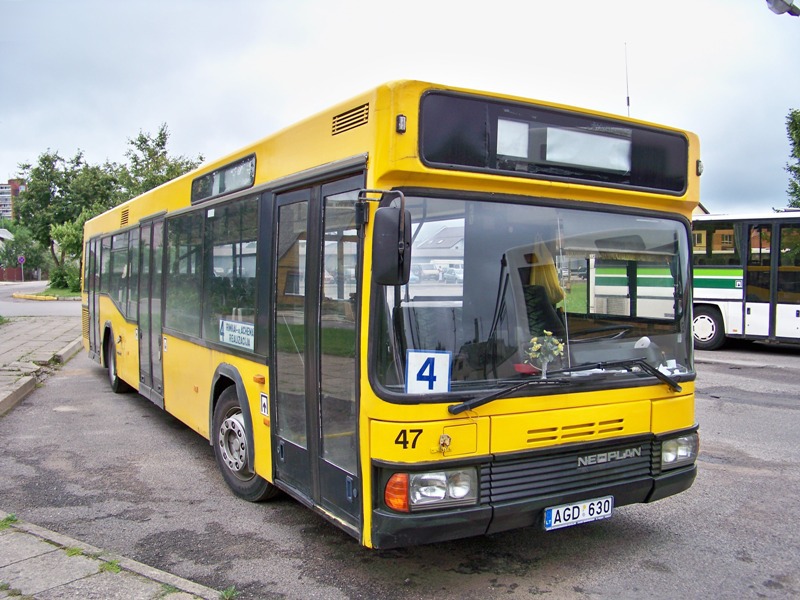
729	362
68	351
195	589
23	387
43	298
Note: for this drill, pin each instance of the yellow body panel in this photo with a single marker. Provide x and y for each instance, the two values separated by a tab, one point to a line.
528	431
672	414
425	441
511	425
187	391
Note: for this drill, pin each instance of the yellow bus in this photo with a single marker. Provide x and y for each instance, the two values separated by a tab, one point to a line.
289	303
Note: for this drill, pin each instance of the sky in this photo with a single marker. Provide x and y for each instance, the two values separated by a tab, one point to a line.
89	75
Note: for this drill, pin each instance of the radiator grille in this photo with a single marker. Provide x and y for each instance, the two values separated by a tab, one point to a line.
558	472
351	119
85	322
576	432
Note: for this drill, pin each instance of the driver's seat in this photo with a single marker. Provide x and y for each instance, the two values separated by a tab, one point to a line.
542	315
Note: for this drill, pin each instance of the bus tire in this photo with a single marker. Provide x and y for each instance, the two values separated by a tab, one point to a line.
708	328
118	386
230	439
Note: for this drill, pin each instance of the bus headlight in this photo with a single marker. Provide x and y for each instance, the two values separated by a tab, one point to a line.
436	489
680	451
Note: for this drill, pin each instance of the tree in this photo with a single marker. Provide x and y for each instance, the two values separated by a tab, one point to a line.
62	195
69	235
149	165
793	166
59	191
23	244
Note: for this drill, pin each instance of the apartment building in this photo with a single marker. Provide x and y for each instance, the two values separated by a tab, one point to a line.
9	191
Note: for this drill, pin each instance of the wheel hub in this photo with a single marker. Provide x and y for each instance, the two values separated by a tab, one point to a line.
703	328
233	443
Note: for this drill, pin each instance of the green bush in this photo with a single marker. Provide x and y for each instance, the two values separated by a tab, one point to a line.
58	278
67	277
74	279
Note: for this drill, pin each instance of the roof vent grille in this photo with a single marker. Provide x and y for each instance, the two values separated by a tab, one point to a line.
124	218
355	117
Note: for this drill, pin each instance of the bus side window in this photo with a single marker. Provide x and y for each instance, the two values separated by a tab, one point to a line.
232	232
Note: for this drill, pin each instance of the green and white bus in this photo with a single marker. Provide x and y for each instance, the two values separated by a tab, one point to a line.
746	278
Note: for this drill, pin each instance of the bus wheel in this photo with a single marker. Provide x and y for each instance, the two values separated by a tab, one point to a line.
230	440
117	385
709	331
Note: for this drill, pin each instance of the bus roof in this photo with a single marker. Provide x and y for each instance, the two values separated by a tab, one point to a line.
778	215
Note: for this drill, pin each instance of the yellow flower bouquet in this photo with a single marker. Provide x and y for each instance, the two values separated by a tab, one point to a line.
543	350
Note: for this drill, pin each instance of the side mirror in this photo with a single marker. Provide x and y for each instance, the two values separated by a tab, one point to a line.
391	246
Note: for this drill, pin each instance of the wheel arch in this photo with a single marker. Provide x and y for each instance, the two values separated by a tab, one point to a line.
706	305
108	334
715	310
225	376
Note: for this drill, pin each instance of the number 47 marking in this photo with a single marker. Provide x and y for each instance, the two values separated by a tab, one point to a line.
403	436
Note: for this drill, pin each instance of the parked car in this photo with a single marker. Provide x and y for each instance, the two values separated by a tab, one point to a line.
425	271
454	276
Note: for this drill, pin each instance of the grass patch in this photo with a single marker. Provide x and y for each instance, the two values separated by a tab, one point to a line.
577	298
73	551
61	292
229	593
334	342
13	592
167	589
110	566
7	521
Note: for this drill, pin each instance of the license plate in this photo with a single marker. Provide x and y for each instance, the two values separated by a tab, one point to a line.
567	515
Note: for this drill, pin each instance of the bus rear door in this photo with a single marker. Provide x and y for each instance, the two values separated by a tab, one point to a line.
758	281
151	245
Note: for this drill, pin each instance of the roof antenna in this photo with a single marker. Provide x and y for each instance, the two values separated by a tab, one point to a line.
627	89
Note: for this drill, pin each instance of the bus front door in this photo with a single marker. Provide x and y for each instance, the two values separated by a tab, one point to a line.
315	354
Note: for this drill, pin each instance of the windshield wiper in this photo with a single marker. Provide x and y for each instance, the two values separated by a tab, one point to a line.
507	391
454	409
629	364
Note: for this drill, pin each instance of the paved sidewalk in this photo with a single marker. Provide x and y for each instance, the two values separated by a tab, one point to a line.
28	348
42	564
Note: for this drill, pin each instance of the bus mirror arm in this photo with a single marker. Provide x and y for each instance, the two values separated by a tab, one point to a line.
391	242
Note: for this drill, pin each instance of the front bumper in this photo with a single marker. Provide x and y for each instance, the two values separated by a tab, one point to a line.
515	491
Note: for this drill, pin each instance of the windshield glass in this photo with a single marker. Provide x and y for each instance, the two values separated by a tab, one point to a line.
502	291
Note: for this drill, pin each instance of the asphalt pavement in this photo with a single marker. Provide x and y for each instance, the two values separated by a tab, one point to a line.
43	564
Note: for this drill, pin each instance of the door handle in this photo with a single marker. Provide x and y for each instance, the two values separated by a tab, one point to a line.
351	491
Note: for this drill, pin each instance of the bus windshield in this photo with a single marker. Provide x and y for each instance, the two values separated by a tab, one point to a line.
507	291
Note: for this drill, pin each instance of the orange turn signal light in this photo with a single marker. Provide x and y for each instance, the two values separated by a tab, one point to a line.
396	493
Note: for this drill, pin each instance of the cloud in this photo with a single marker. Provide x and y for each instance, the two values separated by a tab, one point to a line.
90	74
